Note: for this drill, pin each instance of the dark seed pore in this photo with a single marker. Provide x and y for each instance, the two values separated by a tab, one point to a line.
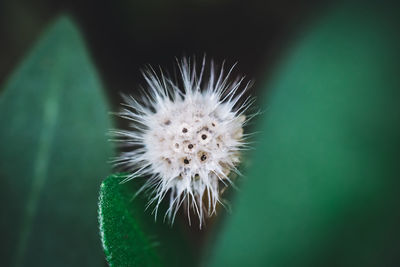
184	130
203	136
190	146
186	161
203	157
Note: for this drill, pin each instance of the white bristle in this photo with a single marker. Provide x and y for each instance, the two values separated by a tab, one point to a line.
185	140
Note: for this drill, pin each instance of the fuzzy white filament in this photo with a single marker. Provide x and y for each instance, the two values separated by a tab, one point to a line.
185	137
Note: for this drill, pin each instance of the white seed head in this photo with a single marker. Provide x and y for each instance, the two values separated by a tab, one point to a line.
185	139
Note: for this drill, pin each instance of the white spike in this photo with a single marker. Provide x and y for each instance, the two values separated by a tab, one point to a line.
190	142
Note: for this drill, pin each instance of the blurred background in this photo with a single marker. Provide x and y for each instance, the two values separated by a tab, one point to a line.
322	185
123	36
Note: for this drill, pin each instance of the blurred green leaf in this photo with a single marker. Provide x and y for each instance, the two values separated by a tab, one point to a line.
324	189
130	235
53	149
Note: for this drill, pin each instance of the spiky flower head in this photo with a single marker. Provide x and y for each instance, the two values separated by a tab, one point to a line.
185	137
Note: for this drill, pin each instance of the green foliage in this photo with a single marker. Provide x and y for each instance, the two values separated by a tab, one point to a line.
130	235
323	188
53	150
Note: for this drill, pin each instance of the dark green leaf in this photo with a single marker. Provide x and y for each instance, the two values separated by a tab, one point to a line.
53	149
324	185
130	235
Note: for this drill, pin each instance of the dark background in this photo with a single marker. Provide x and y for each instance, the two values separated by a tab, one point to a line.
123	36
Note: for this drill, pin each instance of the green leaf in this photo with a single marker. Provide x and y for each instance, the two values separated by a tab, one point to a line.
323	189
53	149
130	235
